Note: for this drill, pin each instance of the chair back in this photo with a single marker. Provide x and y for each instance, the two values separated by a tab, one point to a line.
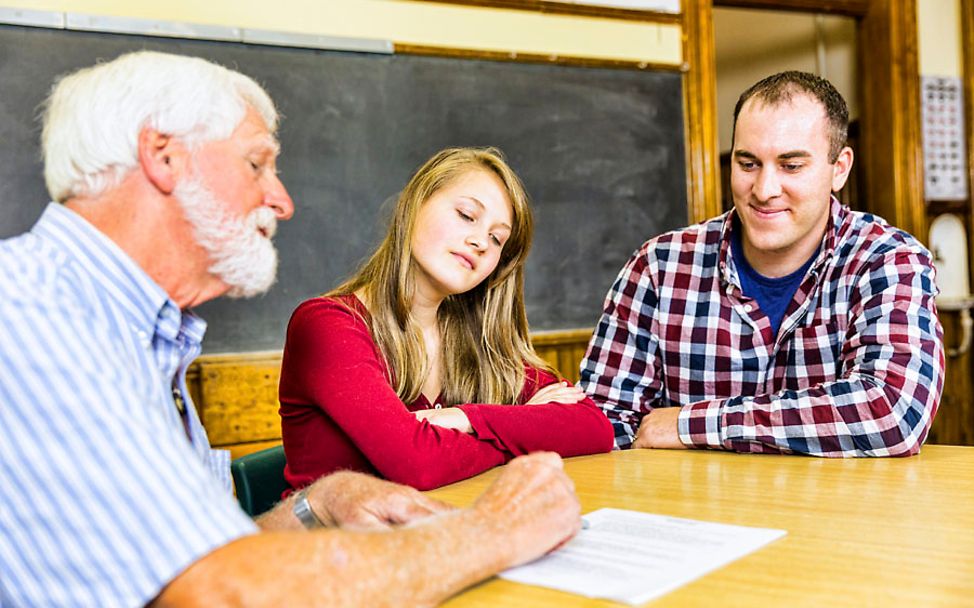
259	479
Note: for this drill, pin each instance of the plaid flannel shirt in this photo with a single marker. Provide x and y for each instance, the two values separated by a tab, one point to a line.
855	370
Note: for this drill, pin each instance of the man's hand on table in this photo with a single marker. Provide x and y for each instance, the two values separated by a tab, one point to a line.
658	429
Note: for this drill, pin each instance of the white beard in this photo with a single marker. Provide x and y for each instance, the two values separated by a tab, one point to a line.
241	256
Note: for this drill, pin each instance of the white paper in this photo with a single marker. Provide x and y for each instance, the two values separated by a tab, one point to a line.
634	557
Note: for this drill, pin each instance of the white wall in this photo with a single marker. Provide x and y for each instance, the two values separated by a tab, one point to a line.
409	22
751	44
938	30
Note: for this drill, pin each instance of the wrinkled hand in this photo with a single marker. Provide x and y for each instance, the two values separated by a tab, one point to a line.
356	500
532	505
447	417
658	429
560	392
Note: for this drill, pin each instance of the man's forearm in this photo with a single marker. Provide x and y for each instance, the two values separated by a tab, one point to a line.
282	518
413	566
529	509
845	412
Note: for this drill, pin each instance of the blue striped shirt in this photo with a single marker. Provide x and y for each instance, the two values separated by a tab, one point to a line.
103	497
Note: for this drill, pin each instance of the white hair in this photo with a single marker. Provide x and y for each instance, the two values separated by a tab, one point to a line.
93	117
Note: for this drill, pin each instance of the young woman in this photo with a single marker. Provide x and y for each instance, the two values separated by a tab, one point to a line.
399	370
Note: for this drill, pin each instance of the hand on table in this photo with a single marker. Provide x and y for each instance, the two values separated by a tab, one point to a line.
559	392
447	417
356	500
658	429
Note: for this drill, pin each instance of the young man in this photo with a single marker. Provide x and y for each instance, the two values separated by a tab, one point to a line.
165	170
790	324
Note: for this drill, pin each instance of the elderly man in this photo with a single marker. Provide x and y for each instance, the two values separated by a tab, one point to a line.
164	168
790	324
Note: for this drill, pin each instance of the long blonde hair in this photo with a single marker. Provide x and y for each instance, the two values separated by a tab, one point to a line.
484	331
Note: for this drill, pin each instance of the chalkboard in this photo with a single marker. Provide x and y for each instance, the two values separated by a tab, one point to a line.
600	150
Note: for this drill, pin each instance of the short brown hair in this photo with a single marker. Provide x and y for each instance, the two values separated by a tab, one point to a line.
781	87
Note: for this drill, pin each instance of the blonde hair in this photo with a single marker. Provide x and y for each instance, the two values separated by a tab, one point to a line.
484	331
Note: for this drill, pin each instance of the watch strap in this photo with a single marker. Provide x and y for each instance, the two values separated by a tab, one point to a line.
302	510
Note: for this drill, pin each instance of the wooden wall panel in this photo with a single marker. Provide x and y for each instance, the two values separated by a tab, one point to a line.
700	106
954	424
563	350
893	161
237	396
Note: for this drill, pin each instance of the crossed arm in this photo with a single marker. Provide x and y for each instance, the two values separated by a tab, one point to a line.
880	403
338	410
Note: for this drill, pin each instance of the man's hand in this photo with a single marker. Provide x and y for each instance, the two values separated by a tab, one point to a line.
528	510
446	417
560	392
533	507
355	500
658	429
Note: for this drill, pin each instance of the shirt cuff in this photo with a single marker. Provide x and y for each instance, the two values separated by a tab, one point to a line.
699	424
481	430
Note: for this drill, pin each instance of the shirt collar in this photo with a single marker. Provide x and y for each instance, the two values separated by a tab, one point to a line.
146	304
837	216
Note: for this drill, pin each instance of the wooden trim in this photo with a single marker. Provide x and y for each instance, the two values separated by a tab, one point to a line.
936	208
242	449
852	8
561	337
891	130
590	62
233	359
967	76
700	111
572	8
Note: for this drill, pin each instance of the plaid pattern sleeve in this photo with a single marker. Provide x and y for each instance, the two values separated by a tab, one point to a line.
856	368
621	371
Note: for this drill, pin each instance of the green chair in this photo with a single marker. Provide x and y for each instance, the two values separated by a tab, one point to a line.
259	479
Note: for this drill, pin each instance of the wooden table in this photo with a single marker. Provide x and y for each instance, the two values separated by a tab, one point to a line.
861	532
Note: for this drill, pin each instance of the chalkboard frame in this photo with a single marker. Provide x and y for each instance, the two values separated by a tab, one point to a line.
574	8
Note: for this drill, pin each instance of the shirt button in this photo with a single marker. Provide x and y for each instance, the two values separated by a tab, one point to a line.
747	308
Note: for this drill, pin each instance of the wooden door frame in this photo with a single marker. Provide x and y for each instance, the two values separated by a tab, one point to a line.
892	171
967	75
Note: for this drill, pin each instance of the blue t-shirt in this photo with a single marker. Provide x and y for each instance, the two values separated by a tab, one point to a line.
773	295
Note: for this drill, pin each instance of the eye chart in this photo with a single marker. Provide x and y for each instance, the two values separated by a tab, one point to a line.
944	153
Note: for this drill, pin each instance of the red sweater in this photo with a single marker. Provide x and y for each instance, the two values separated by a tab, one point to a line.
338	411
